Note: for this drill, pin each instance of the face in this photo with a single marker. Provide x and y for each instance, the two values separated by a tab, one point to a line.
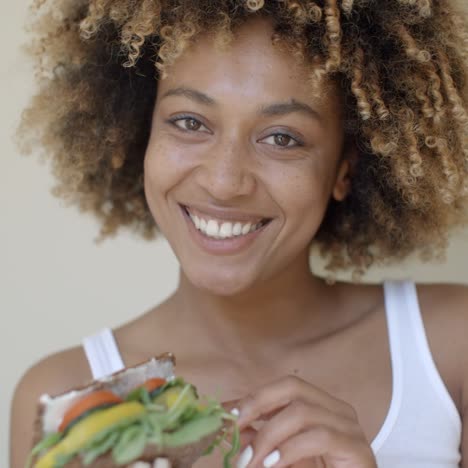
241	161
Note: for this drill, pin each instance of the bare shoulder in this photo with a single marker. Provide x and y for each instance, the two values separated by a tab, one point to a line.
54	374
444	309
150	334
444	305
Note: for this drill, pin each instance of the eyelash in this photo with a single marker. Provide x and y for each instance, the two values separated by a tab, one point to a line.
298	141
173	121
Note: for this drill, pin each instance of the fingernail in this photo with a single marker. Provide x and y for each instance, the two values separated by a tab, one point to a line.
245	457
235	412
161	463
272	459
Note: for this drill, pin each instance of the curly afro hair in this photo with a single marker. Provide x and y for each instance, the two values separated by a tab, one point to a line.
401	64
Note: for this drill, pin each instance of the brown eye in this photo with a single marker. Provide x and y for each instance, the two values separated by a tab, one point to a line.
282	140
188	124
192	124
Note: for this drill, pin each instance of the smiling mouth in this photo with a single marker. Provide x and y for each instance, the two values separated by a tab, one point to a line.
224	229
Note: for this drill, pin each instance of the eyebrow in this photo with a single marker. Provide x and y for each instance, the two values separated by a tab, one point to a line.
192	94
283	108
272	110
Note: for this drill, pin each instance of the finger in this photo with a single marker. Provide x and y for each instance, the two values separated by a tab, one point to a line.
247	436
162	463
248	432
337	449
232	407
158	463
269	399
296	418
231	404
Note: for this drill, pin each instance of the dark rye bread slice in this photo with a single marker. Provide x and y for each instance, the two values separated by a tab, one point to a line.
121	383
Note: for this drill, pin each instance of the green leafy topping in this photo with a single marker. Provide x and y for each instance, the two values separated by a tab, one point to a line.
235	446
235	443
48	441
139	394
100	447
187	421
181	404
193	430
130	446
155	434
177	382
61	460
118	427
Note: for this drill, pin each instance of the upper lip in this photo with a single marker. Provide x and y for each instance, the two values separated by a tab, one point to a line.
225	214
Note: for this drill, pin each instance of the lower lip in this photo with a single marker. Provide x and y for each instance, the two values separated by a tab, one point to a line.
229	246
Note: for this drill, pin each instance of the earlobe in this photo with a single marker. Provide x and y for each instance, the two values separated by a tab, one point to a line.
343	181
346	167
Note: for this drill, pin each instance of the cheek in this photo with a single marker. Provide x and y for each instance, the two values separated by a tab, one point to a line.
160	176
165	166
303	195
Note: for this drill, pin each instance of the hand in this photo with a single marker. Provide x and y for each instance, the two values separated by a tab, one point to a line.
158	463
162	463
304	427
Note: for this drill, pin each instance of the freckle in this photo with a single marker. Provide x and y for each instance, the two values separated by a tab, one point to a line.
296	371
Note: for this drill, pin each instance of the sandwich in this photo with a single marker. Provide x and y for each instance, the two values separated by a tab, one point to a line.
131	418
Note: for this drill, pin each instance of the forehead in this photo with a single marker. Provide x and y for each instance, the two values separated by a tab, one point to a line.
251	68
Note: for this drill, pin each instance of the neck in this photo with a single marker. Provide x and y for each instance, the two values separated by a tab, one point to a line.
269	316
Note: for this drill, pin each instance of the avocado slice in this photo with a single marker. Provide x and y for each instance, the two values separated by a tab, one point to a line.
170	397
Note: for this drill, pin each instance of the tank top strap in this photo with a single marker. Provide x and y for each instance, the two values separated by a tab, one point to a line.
422	427
394	306
102	353
424	352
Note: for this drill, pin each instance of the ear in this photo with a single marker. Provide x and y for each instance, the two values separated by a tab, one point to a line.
342	185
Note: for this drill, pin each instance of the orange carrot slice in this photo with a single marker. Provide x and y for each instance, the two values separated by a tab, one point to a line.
87	403
153	384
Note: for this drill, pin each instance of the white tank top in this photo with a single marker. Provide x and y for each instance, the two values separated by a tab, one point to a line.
422	428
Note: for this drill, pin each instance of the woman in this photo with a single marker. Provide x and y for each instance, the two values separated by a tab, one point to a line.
272	126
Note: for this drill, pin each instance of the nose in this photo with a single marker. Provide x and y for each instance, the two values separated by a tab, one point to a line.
227	171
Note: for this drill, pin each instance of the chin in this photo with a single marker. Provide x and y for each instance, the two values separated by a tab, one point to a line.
219	284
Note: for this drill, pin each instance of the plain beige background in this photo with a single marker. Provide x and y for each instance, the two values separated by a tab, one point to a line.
56	285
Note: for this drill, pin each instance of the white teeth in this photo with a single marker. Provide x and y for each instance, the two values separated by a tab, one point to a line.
237	229
246	228
212	228
226	230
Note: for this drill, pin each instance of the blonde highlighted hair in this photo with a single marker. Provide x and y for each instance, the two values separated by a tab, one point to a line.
401	64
